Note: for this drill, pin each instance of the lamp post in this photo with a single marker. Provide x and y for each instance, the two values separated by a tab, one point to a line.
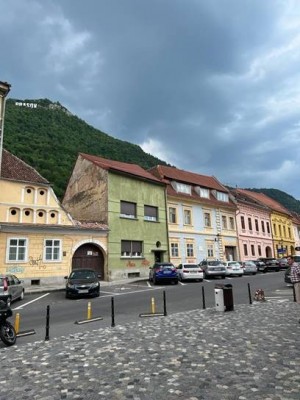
4	90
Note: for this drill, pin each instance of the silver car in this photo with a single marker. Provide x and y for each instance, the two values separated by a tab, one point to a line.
233	268
249	267
213	268
11	288
188	271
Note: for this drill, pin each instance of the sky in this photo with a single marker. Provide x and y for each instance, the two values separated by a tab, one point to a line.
209	86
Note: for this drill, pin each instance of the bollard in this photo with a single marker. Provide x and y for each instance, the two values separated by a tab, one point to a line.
249	293
294	293
17	323
203	299
89	310
165	304
152	305
47	323
112	312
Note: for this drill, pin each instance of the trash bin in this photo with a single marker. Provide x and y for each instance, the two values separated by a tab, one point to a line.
224	297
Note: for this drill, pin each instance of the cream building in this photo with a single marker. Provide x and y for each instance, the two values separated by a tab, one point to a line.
39	241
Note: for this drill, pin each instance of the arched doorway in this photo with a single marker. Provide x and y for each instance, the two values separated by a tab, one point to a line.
269	252
89	256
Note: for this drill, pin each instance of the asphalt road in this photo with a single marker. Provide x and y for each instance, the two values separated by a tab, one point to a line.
131	300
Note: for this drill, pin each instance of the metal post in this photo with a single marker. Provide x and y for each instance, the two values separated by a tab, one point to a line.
47	323
165	304
294	293
89	310
152	305
112	312
249	292
17	323
203	299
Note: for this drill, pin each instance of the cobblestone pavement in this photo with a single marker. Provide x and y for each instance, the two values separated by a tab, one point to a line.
252	353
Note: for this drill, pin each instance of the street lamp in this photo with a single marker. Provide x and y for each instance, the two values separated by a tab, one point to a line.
4	90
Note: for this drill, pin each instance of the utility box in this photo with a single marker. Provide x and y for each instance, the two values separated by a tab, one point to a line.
224	297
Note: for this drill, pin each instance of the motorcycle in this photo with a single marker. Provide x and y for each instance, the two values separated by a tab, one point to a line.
7	331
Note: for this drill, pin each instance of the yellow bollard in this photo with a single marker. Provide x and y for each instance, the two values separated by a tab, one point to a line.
89	310
17	323
153	305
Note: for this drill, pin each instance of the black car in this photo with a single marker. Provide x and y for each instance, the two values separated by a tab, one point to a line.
82	282
283	264
271	264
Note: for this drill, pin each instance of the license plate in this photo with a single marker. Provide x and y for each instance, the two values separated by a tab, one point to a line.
166	272
83	291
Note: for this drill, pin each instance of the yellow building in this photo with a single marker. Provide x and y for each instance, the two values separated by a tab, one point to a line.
39	241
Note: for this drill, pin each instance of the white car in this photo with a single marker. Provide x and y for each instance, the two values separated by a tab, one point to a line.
233	268
189	271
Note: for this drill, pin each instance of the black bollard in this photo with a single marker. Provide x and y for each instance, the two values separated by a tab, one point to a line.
112	312
165	304
249	292
47	337
203	299
294	293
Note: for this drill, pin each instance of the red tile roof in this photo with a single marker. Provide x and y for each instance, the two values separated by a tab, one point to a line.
118	166
266	200
17	170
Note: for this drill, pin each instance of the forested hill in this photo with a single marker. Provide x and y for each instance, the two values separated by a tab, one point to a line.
48	137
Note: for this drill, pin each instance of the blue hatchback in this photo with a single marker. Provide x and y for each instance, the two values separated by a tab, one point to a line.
163	272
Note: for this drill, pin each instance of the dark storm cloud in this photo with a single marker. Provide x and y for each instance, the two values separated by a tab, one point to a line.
209	86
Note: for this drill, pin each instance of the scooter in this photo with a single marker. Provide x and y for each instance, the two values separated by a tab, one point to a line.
7	331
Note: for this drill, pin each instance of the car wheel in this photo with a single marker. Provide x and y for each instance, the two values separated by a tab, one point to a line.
22	295
223	277
8	302
253	273
67	296
154	280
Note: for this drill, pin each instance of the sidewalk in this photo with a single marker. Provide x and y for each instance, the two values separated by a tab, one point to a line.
251	353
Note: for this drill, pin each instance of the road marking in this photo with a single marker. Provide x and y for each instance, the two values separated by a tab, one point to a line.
29	302
136	291
148	284
181	283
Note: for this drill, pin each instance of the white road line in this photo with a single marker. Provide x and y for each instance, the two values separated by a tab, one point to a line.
127	293
181	283
32	301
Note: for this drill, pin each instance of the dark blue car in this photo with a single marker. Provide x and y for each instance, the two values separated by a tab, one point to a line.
163	272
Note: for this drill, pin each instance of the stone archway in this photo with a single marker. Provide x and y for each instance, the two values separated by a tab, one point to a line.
89	256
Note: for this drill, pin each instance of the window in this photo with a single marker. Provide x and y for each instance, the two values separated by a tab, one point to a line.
222	196
268	227
275	230
250	224
128	210
231	223
187	217
202	192
259	250
263	226
245	249
207	220
224	222
284	231
17	249
252	250
172	215
131	248
256	225
150	213
181	187
52	250
189	250
210	250
289	233
174	250
243	222
279	227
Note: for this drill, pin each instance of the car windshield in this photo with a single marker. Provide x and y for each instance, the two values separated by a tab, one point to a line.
213	263
191	266
234	263
85	274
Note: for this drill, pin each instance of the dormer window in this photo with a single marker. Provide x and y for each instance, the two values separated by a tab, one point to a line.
221	196
202	192
181	187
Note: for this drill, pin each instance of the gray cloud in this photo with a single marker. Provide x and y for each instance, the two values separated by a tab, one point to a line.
211	87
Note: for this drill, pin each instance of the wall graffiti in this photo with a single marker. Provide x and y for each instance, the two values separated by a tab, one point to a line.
16	269
37	262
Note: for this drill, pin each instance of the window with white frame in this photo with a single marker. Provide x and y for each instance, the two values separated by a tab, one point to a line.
259	250
17	249
245	249
52	250
131	248
150	213
190	250
207	220
202	192
224	222
242	222
172	215
187	216
128	209
221	196
182	187
252	250
210	250
174	249
231	223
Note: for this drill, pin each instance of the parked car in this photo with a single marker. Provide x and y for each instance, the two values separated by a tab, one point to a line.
261	266
82	282
163	272
11	288
249	267
271	264
233	268
283	264
190	272
212	269
287	276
